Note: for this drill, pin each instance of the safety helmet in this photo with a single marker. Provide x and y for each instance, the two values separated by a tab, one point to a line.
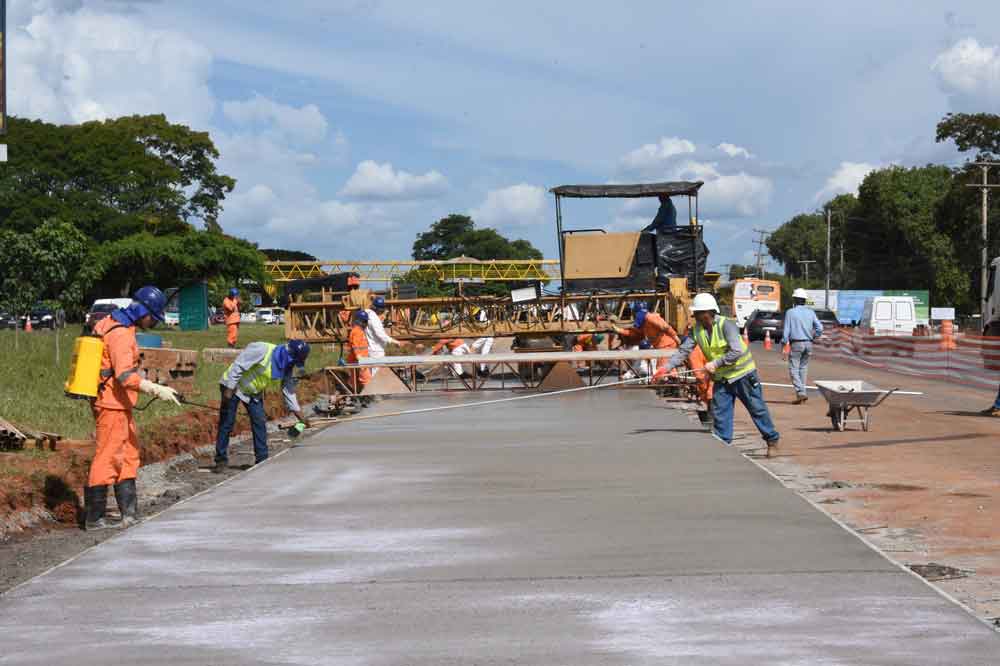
645	345
234	292
704	303
299	351
640	317
800	293
378	303
361	317
152	299
599	338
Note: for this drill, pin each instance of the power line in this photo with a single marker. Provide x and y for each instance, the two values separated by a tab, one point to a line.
985	261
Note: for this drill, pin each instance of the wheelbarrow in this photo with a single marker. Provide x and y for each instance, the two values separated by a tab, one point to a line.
847	397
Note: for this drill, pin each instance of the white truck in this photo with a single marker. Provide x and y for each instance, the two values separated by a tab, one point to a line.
889	315
991	324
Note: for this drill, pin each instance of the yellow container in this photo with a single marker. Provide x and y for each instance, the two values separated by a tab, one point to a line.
85	368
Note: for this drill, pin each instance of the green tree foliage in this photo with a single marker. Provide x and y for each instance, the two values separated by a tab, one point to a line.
111	179
286	255
972	131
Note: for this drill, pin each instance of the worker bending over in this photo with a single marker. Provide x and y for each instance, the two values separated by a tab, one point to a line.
455	347
731	367
116	460
231	310
258	367
654	328
375	332
802	326
357	349
481	345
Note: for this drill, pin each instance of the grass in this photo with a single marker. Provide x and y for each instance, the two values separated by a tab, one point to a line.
31	378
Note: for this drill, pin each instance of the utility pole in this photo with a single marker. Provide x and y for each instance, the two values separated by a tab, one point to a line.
764	233
985	261
806	262
826	298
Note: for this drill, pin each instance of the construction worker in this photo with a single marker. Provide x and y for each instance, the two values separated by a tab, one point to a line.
260	366
481	346
652	327
995	409
802	326
587	342
231	310
665	221
357	349
731	367
378	339
455	347
116	459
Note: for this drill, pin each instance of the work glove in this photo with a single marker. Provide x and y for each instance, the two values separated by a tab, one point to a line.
164	393
711	367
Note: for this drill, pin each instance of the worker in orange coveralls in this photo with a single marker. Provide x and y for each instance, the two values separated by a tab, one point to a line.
654	328
587	342
116	460
455	347
357	349
231	309
696	362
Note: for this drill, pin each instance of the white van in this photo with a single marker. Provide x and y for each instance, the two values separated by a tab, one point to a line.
889	315
270	316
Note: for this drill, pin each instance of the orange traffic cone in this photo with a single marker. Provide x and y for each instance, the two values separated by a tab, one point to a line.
767	340
27	324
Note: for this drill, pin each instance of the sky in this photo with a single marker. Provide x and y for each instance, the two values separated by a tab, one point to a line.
352	125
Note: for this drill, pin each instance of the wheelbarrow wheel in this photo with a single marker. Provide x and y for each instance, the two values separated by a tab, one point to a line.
835	419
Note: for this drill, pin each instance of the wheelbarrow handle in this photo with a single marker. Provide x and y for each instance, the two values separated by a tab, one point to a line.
886	395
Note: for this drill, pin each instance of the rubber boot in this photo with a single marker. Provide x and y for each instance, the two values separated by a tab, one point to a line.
128	502
95	503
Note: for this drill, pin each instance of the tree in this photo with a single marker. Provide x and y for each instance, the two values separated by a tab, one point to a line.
112	178
801	238
286	255
972	131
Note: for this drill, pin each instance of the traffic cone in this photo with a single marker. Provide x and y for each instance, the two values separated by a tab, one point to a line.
767	341
27	325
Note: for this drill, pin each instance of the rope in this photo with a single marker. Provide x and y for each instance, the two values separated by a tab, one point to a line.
482	403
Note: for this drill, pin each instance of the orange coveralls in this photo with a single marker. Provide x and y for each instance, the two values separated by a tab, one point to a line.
357	348
231	308
660	334
117	455
585	342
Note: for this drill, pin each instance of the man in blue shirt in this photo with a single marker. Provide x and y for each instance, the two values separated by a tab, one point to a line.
801	328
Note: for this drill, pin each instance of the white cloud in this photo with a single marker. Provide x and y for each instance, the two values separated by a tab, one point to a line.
517	205
845	180
375	181
969	73
735	151
74	65
306	124
654	154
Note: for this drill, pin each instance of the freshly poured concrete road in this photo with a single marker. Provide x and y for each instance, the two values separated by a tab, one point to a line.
596	528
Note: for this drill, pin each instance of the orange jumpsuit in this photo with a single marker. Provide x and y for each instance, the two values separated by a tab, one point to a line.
585	342
660	334
357	348
451	343
231	308
117	455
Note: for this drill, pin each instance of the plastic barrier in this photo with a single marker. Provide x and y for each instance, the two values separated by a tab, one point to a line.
963	359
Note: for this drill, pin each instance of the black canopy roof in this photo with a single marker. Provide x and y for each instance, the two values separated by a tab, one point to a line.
683	187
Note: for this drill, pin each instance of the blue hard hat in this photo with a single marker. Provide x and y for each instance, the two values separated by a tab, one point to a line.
234	292
361	317
640	318
152	299
299	351
378	303
645	345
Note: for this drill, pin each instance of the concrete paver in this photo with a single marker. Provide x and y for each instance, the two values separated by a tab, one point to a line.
596	528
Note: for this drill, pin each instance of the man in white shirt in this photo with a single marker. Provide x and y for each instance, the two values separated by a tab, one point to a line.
378	339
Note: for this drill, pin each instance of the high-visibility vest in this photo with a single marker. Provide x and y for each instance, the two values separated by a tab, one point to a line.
257	378
714	347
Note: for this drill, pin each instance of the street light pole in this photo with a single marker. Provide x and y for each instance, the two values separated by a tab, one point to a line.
806	262
984	266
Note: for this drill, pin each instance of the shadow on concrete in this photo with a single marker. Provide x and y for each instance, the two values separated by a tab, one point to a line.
643	431
911	440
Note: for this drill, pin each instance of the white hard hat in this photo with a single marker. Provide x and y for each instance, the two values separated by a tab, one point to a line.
703	302
800	293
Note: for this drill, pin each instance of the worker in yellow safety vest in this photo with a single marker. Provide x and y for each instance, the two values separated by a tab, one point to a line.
732	368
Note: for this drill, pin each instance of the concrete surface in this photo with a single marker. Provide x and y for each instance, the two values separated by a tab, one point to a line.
595	528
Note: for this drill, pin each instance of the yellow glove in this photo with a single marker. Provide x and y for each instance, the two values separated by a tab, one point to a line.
164	393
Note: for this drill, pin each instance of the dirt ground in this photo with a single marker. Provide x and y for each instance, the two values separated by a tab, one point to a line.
923	485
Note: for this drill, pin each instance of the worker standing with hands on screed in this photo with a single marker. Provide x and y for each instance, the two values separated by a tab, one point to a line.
652	326
731	367
378	339
231	310
258	367
802	326
116	460
357	349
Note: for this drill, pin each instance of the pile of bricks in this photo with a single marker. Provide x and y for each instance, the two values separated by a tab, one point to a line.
171	367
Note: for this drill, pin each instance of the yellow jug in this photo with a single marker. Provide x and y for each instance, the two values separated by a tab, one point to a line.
85	368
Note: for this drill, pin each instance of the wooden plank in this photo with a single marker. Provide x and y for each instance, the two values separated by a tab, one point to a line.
508	357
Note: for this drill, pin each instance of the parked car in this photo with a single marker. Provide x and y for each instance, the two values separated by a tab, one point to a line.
101	308
830	324
270	316
889	315
218	317
7	320
761	321
42	316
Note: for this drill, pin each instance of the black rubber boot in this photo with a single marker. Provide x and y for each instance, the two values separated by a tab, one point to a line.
95	502
128	502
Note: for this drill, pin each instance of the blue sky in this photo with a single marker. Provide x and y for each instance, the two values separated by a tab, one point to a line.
352	125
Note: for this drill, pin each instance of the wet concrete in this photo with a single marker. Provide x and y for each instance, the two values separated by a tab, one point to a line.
594	528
